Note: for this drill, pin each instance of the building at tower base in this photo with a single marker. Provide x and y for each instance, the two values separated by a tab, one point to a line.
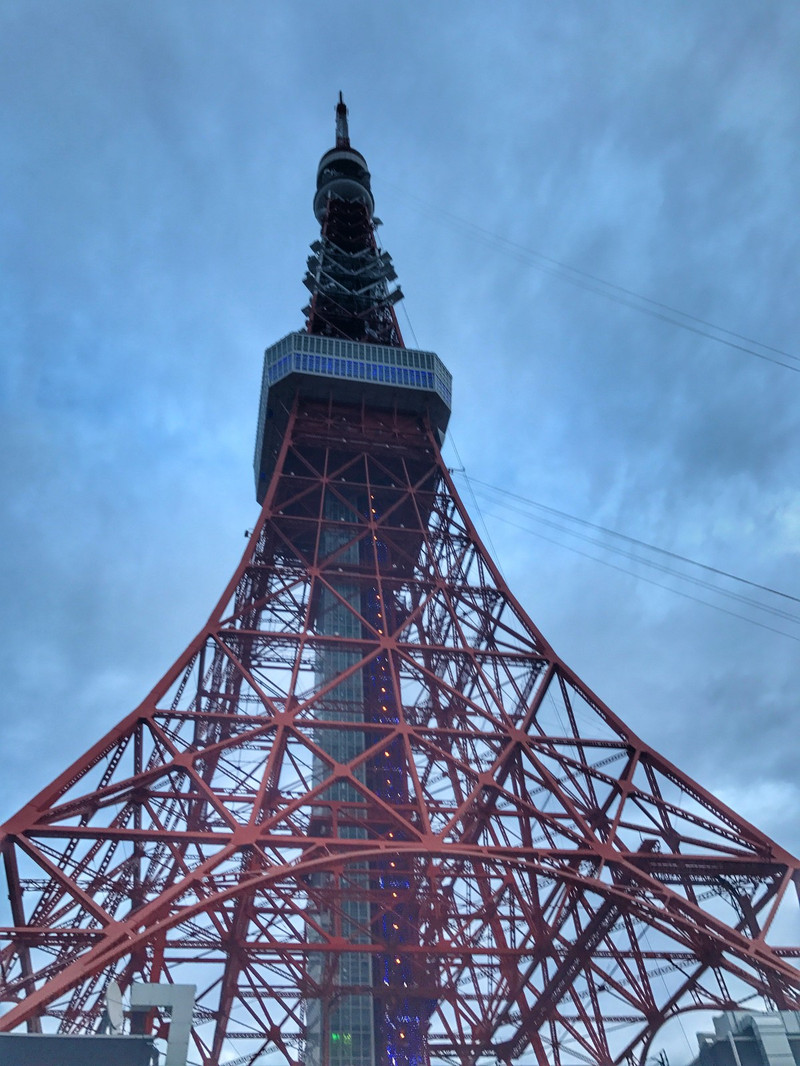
744	1039
58	1049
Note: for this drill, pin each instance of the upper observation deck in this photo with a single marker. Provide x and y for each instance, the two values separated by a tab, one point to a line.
308	366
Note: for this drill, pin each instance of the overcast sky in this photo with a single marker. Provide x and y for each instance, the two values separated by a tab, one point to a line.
158	163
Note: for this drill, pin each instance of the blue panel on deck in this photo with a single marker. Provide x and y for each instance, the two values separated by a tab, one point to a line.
351	372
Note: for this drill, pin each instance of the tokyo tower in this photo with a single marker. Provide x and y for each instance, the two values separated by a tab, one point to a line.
369	813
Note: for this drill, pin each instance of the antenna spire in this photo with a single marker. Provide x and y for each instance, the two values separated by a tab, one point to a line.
349	277
342	135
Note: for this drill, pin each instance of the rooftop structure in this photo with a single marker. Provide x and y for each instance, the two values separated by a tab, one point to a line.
744	1039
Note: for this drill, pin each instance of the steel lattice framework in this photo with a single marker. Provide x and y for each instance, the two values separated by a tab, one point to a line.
369	778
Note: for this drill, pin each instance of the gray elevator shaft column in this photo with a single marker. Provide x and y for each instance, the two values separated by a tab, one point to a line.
343	1023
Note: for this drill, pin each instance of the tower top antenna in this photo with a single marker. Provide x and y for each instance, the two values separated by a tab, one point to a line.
342	135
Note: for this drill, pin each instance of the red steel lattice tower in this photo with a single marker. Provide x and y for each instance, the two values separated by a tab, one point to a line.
369	812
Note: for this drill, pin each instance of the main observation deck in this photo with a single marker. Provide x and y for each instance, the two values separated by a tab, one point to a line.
313	367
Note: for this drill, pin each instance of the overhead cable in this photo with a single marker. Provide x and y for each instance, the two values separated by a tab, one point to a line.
583	279
547	519
632	540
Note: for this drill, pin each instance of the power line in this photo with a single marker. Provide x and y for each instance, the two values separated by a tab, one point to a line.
633	540
583	279
699	582
651	581
478	510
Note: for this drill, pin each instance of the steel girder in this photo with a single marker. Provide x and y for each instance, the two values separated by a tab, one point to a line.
562	889
349	277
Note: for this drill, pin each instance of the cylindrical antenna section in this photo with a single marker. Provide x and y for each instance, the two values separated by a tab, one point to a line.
342	134
342	172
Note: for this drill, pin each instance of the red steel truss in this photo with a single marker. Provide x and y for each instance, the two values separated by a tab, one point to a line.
566	888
